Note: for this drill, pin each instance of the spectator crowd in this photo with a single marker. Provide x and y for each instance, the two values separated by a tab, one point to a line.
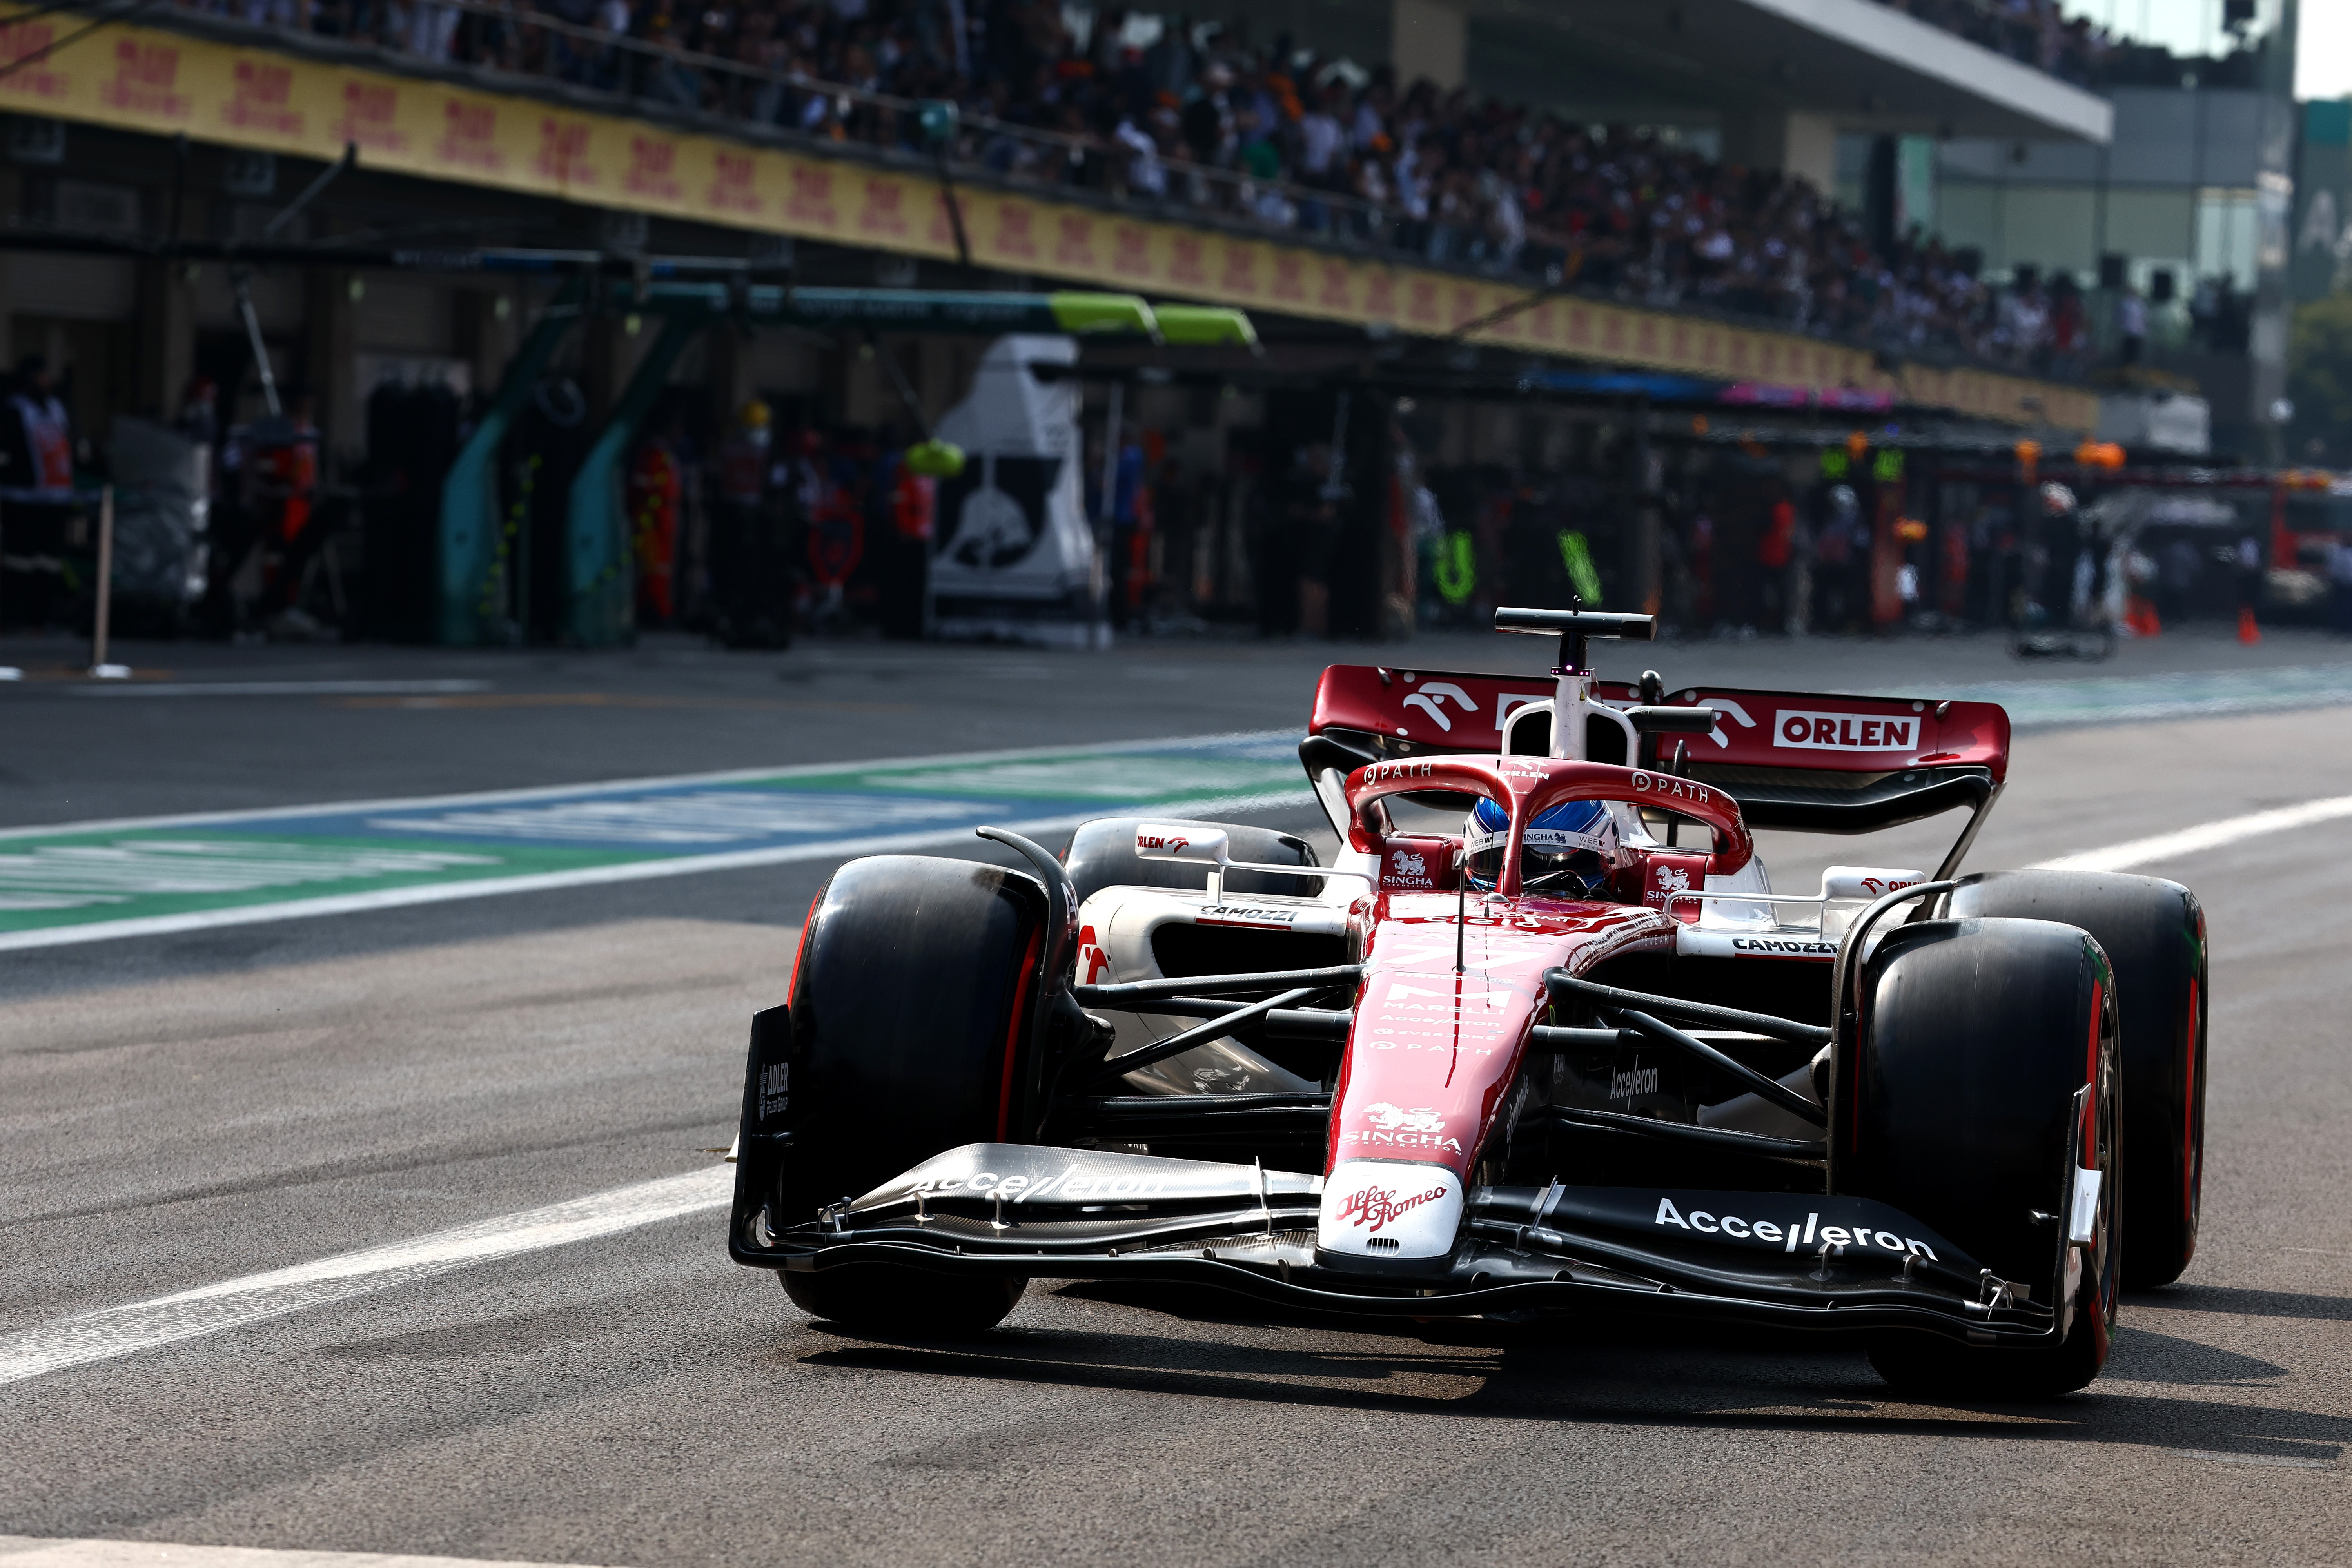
1153	109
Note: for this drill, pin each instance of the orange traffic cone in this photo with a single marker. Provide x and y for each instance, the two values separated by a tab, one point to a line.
2248	633
2140	614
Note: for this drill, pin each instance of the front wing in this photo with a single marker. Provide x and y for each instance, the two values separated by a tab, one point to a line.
1795	1259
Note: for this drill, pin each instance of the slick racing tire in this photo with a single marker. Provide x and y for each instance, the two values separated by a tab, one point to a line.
1958	1105
1102	855
907	1037
2154	934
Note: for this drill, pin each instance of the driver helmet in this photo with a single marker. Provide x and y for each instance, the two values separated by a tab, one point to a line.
1567	851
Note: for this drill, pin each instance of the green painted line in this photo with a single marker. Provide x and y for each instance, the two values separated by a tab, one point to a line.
94	880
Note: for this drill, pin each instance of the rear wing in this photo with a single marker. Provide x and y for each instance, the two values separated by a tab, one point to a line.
1801	761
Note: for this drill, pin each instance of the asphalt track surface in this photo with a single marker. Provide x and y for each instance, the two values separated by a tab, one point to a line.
183	1111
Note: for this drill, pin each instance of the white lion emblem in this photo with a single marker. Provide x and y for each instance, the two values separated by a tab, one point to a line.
1409	864
1388	1118
1672	879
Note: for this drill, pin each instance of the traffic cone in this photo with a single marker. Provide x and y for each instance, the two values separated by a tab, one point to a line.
2248	633
2140	614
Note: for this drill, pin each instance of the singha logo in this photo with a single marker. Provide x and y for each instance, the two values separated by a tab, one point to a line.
1409	864
1394	1118
1672	879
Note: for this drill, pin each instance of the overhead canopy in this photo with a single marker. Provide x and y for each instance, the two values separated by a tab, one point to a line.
1864	65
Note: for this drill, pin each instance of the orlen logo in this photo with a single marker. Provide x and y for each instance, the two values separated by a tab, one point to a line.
1844	731
1370	1208
1431	700
1154	841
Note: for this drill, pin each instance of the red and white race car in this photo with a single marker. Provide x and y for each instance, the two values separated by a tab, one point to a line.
1481	1067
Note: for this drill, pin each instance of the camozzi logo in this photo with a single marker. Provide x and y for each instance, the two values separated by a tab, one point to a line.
1368	1209
1794	728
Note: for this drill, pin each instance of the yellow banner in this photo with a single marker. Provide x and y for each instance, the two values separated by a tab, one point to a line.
158	80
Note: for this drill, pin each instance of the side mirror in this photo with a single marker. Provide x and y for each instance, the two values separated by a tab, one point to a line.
1195	844
1187	842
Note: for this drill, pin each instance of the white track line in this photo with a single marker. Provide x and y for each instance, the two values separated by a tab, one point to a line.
283	688
112	1331
2208	835
40	1551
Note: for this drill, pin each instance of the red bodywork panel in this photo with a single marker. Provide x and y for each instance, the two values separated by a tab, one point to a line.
1433	1052
1449	711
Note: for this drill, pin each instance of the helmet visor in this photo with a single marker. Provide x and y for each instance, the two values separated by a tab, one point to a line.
1561	861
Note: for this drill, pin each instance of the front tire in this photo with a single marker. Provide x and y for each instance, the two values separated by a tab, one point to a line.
908	1035
1958	1106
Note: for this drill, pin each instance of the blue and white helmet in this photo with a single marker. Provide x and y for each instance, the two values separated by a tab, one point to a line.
1567	850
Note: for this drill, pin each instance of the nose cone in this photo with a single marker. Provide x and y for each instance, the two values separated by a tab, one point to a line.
1390	1208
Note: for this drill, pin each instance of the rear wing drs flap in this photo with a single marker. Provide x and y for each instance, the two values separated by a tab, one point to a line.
1802	761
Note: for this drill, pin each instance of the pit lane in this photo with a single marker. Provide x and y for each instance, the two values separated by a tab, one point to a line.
181	1112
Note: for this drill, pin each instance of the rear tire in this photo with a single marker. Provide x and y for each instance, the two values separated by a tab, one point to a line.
1959	1108
2153	932
907	1037
1102	855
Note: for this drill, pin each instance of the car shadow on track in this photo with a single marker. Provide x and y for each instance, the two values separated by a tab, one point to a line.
2241	1303
1594	1368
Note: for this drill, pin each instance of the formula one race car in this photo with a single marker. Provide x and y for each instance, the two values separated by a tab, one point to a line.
1542	1038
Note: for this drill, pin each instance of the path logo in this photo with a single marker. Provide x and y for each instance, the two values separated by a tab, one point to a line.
731	179
652	168
469	136
564	152
145	77
19	42
370	111
261	99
